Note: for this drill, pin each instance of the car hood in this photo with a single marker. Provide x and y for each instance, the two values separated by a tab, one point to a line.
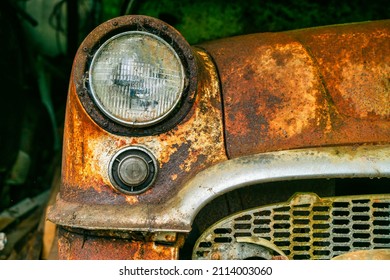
305	88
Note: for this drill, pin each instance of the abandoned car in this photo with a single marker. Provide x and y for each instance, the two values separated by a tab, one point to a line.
261	146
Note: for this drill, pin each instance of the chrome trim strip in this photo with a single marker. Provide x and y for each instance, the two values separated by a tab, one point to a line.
178	213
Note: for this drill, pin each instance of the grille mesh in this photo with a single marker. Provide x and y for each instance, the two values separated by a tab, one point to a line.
307	227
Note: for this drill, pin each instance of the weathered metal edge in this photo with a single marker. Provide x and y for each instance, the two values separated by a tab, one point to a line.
179	212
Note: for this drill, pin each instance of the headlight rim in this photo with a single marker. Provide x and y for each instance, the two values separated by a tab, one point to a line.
116	26
93	88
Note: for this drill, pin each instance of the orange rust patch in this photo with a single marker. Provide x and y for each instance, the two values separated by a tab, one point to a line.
305	88
72	246
355	63
289	69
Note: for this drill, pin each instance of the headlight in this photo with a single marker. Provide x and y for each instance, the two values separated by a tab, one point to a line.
136	78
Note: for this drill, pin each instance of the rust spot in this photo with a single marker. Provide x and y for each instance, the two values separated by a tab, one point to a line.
215	256
282	58
170	238
120	143
279	258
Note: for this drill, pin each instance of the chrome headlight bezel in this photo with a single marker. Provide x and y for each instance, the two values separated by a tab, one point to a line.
155	28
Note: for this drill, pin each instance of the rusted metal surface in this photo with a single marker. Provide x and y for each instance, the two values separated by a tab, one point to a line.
74	246
196	143
187	142
376	254
178	212
275	97
305	88
305	227
88	200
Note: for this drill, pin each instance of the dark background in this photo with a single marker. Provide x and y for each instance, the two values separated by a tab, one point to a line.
38	39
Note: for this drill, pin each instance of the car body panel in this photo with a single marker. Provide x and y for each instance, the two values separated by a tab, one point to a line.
305	88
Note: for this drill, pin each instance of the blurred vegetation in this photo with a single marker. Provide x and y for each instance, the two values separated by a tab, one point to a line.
203	20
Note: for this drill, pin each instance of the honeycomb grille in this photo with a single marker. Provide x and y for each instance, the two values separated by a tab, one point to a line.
307	227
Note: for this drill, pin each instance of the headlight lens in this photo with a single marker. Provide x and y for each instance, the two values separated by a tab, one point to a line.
136	78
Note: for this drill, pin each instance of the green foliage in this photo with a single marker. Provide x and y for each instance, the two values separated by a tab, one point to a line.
111	9
198	20
202	20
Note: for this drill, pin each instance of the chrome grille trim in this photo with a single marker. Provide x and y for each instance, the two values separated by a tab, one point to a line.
307	227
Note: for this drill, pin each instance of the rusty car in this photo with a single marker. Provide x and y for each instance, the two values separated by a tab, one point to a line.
262	146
